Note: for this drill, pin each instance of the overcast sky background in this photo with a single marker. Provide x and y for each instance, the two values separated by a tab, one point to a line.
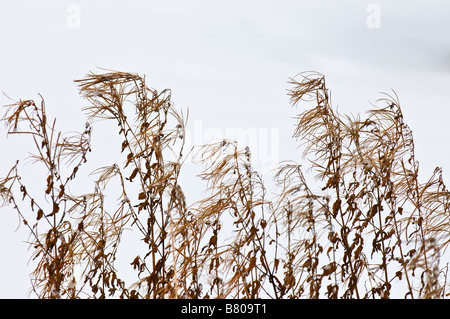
229	63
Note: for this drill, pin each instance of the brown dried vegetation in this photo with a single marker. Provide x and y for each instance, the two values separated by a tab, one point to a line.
371	230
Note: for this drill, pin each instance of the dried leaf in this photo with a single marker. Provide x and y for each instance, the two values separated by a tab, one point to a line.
142	196
40	214
133	174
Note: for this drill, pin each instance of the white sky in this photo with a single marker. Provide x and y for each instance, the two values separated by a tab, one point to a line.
229	63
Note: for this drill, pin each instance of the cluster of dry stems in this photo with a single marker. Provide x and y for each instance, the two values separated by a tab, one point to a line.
372	231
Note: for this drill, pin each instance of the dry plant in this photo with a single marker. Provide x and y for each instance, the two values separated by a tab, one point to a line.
368	228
